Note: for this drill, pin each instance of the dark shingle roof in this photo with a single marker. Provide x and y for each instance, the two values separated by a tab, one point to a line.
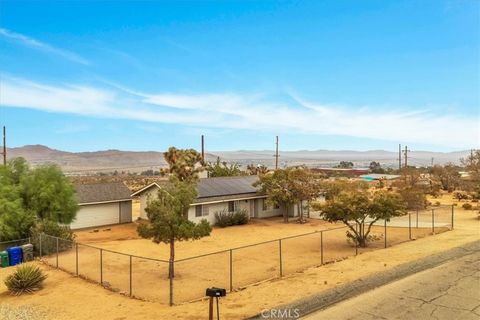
101	192
226	186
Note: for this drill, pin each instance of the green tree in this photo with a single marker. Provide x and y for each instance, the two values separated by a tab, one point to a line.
256	169
359	212
305	188
279	188
333	188
185	164
223	169
168	217
30	196
15	222
411	188
345	165
448	176
49	194
288	187
376	167
472	166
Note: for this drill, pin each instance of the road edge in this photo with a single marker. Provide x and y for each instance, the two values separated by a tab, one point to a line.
349	290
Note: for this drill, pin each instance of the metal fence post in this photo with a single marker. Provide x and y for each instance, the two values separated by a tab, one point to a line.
57	251
280	255
452	214
321	247
76	258
385	228
409	225
130	275
101	267
433	221
231	270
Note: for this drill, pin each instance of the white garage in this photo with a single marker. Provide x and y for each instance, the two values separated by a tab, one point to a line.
102	204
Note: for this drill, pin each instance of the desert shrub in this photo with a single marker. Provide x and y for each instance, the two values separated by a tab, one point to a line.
203	228
460	195
51	229
225	219
240	217
467	206
27	278
475	200
437	204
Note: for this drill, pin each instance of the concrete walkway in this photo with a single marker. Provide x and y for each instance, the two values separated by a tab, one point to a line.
449	291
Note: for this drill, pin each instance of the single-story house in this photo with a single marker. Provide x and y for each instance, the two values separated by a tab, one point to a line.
221	194
102	204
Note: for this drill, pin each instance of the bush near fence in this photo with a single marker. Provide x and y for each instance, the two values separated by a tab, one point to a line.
148	278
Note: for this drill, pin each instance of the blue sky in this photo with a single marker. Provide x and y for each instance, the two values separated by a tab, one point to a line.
356	75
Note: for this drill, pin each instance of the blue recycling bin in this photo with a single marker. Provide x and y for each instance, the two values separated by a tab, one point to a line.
15	255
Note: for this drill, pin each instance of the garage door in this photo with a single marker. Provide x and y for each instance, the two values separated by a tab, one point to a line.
95	215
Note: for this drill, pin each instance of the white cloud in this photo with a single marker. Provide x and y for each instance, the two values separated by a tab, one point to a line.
249	112
33	43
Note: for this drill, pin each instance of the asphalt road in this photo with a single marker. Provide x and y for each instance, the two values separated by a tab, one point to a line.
446	292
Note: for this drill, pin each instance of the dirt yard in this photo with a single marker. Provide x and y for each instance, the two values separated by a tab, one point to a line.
68	297
258	262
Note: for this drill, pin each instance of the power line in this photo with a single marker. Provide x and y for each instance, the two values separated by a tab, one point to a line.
405	153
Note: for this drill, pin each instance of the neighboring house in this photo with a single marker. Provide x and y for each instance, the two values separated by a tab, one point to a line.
102	204
221	194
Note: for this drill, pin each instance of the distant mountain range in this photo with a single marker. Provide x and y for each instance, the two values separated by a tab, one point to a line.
137	161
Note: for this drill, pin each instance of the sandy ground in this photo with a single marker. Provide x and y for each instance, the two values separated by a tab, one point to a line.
68	297
250	265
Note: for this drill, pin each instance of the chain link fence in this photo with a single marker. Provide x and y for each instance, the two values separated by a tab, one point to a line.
149	278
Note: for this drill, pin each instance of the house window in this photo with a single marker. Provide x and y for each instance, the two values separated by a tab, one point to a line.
201	210
205	210
233	206
264	205
276	206
198	211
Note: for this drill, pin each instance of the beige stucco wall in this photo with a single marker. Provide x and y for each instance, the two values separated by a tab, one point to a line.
247	205
144	198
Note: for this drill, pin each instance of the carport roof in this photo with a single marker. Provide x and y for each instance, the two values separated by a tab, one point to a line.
101	192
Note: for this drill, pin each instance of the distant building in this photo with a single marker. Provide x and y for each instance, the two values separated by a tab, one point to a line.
379	176
342	171
102	204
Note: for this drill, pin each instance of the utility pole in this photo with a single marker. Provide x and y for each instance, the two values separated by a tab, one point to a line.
203	148
399	156
432	162
406	156
4	153
276	154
